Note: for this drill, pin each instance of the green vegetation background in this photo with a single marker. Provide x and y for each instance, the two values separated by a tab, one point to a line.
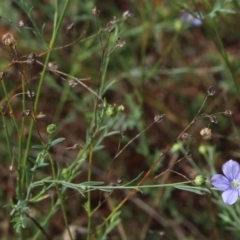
165	67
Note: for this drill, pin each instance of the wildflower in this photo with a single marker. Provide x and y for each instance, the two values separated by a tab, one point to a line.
230	183
195	20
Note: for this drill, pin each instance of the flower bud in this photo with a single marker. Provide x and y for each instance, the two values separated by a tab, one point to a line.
109	111
51	128
120	108
199	180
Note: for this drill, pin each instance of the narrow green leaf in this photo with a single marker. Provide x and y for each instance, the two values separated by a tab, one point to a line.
37	147
56	141
197	190
135	180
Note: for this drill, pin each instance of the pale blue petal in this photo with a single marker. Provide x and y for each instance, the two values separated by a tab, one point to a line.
231	169
230	196
220	182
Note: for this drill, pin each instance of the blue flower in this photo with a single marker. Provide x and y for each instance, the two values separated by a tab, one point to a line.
230	183
190	19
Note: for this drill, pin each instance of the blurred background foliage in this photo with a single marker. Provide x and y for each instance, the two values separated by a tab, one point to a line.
166	66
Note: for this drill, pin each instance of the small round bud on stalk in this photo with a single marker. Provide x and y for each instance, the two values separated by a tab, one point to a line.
199	180
53	66
95	11
32	57
2	75
51	128
186	136
228	113
213	119
127	14
77	146
120	42
73	83
120	180
70	26
30	94
21	23
11	168
25	113
158	117
9	40
211	91
111	26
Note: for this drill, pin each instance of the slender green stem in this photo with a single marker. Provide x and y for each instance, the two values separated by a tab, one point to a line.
89	193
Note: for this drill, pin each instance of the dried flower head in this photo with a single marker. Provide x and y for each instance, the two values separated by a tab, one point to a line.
186	136
211	91
111	26
127	14
213	119
120	180
9	40
159	118
95	11
70	26
40	115
206	133
30	94
26	113
32	57
120	43
21	23
73	83
122	134
2	75
77	146
11	168
228	113
53	66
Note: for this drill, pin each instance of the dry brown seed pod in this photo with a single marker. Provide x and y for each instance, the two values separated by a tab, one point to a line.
206	133
9	40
